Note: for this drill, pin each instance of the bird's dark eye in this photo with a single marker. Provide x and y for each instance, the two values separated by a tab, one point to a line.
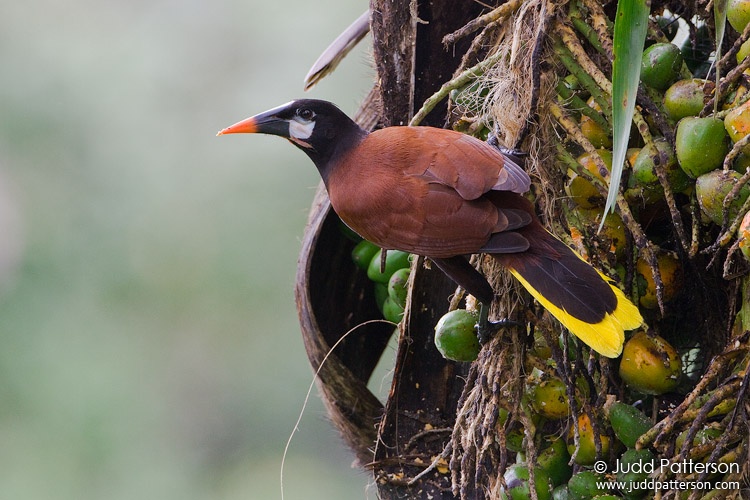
305	114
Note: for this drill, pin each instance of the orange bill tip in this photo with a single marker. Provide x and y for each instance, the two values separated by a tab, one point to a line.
246	126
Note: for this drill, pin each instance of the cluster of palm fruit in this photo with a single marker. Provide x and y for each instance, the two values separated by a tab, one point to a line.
455	334
686	192
554	475
569	443
569	464
389	275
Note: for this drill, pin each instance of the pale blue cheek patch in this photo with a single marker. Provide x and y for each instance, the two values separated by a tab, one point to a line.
301	130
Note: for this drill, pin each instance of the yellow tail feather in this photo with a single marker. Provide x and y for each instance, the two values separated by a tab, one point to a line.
605	337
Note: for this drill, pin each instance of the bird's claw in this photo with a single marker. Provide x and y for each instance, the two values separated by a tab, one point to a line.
486	331
494	141
517	156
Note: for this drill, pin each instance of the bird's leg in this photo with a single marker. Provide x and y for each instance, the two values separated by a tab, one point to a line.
486	328
516	155
463	273
459	270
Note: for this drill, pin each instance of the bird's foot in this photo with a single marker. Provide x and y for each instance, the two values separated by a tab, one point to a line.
486	329
517	155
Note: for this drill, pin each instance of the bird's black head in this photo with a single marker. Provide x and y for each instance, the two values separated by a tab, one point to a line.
317	127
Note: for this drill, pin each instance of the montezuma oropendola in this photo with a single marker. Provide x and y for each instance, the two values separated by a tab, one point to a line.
445	195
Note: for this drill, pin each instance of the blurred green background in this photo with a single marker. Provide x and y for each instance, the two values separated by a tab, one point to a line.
150	344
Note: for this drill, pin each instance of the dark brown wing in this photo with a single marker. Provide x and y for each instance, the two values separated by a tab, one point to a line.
422	190
466	164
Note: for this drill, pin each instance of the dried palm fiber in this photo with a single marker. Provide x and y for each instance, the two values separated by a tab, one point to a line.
510	97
